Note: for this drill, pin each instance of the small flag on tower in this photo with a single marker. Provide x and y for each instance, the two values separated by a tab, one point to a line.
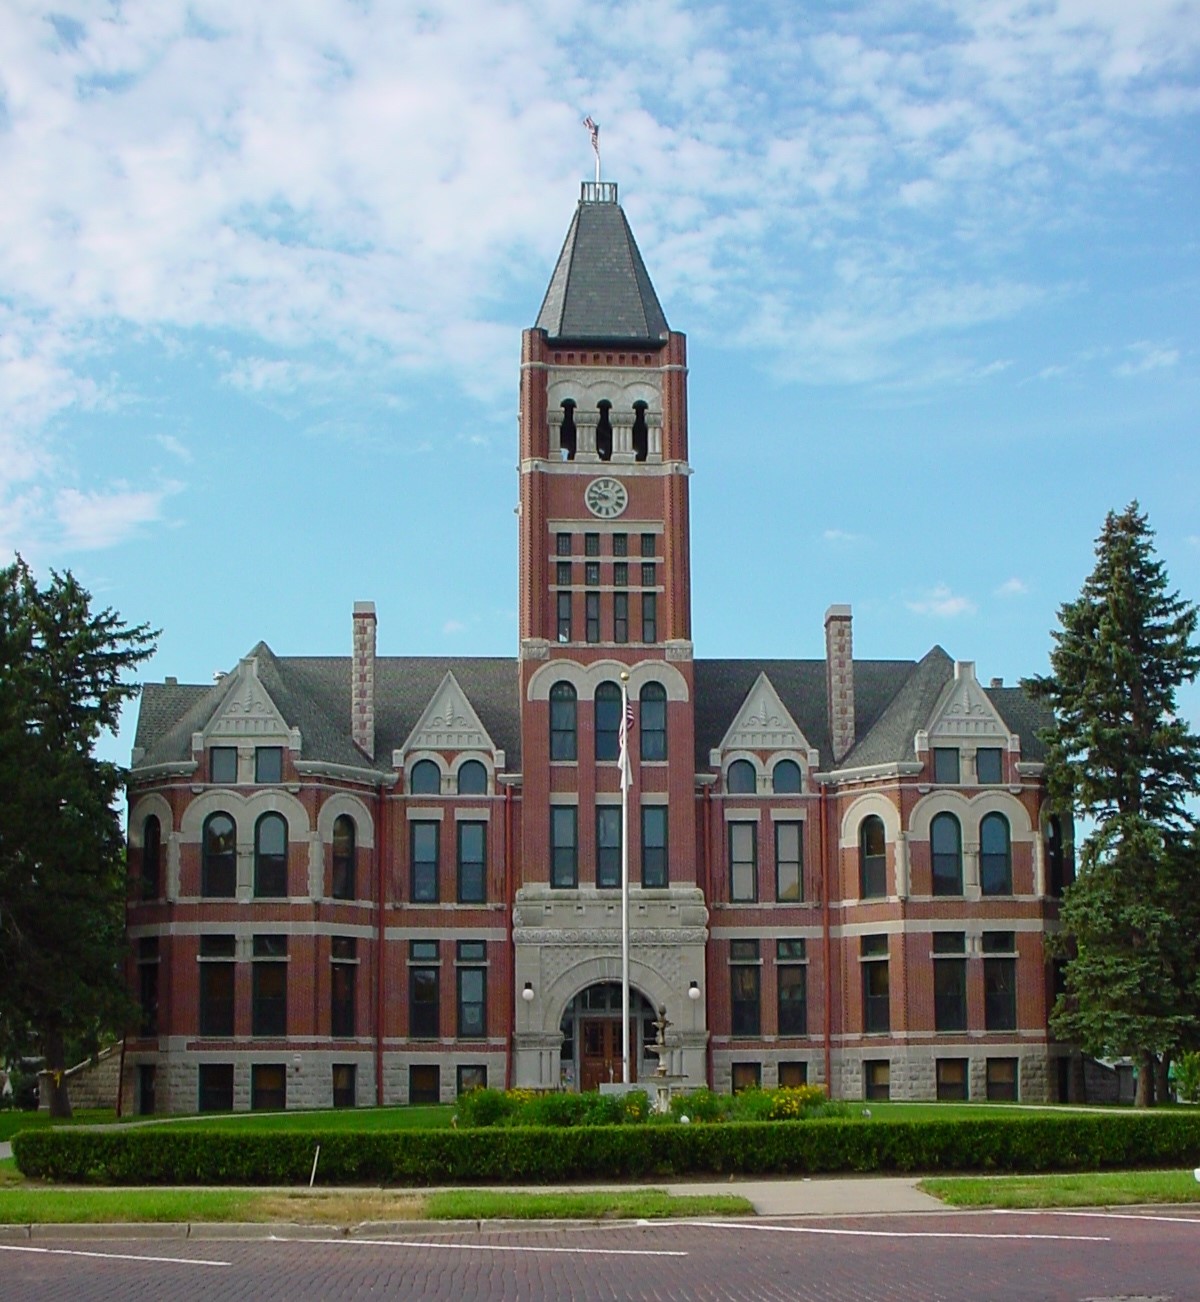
623	746
594	131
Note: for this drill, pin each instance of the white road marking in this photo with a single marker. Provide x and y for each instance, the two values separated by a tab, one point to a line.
113	1256
496	1247
1102	1215
886	1234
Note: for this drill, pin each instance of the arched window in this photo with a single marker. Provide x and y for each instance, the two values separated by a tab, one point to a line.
652	722
872	858
945	843
604	432
344	858
641	432
472	779
741	780
218	857
566	431
426	779
562	722
270	856
786	778
995	855
151	858
608	721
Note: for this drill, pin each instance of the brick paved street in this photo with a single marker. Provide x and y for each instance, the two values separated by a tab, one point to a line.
976	1256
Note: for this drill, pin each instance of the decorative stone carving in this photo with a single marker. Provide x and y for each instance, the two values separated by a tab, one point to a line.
247	710
965	711
599	936
764	723
449	722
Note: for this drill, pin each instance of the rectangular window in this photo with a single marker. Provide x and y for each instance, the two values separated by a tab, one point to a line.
345	1085
423	841
268	1087
620	574
743	862
591	574
744	985
472	1077
591	544
1002	1080
562	574
344	970
147	1089
792	1075
216	1087
789	859
999	992
472	991
564	846
472	863
620	544
877	1075
424	993
217	971
608	846
949	981
649	577
268	1012
654	846
268	764
620	617
649	617
148	984
875	987
592	614
562	544
951	1079
791	974
945	764
222	764
564	616
649	544
746	1076
424	1084
989	765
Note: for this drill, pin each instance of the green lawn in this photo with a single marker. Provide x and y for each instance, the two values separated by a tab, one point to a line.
415	1118
941	1111
1089	1189
14	1119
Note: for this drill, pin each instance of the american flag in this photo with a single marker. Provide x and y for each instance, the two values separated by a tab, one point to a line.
623	746
595	134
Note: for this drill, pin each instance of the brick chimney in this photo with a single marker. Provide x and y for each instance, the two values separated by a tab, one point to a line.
362	679
839	679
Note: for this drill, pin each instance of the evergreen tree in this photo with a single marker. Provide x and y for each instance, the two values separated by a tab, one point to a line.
62	879
1120	757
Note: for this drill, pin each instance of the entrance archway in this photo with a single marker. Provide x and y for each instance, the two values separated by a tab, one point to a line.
591	1031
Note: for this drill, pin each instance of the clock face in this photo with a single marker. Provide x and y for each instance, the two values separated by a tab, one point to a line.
606	498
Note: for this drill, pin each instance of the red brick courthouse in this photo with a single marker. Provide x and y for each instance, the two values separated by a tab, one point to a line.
371	879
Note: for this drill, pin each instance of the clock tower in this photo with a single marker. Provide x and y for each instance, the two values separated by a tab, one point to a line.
604	603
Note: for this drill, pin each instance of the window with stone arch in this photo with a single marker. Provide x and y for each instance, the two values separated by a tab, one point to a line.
218	857
872	858
945	844
270	856
652	721
563	700
995	855
151	858
786	778
426	779
741	780
344	857
472	779
608	721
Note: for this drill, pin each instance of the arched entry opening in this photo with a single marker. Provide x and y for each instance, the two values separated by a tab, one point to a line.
591	1036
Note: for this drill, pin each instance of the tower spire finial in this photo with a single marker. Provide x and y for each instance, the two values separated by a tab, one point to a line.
594	132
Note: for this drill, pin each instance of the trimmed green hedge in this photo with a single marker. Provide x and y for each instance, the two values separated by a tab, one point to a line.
154	1155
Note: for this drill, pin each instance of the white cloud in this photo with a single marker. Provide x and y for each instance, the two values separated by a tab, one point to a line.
452	626
92	520
172	445
1013	587
840	536
1148	357
943	603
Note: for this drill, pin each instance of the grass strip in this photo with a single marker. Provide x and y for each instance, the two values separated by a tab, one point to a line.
583	1205
16	1119
1086	1189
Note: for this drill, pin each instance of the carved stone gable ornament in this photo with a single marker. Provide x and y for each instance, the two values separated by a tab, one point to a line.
764	723
964	710
248	710
449	722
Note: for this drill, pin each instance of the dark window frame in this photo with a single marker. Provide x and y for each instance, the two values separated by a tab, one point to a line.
151	881
214	1087
606	706
563	616
995	867
734	778
270	866
621	617
343	987
471	1027
655	859
872	858
424	994
784	826
269	987
564	852
745	988
218	869
652	722
608	847
268	765
467	868
737	894
791	973
946	865
947	765
564	722
344	847
424	872
649	617
477	782
420	782
994	763
219	758
793	786
875	966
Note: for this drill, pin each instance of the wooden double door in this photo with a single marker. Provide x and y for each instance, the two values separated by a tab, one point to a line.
600	1052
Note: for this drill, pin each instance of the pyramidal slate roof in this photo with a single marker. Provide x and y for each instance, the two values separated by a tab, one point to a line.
892	700
600	291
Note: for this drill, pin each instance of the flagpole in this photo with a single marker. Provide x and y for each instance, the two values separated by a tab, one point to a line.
624	871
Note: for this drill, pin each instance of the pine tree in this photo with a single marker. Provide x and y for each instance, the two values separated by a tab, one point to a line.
62	879
1120	757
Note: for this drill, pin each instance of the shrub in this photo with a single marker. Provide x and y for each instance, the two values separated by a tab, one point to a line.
701	1105
1187	1076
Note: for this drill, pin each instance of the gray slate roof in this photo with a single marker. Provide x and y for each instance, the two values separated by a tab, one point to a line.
600	291
892	699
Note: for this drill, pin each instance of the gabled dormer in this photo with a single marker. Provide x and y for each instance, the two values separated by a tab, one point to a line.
764	732
245	722
966	741
449	734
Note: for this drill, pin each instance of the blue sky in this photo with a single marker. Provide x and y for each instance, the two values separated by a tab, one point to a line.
263	271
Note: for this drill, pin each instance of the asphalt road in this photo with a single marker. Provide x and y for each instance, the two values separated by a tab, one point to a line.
977	1256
